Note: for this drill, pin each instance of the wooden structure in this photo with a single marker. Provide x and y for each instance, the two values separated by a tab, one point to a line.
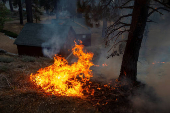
33	38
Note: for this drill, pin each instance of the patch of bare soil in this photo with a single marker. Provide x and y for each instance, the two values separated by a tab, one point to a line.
7	44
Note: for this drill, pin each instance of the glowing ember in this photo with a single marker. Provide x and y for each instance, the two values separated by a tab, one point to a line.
158	62
63	79
104	64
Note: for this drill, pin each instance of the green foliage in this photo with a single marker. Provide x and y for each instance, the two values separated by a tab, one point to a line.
28	59
10	34
3	15
6	59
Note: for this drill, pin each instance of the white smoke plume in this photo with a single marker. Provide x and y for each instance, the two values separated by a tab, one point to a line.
55	40
54	49
153	68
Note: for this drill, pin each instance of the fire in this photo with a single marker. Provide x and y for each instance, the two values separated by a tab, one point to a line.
63	79
158	62
104	64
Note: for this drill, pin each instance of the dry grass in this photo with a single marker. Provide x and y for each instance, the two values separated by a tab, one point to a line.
5	59
20	95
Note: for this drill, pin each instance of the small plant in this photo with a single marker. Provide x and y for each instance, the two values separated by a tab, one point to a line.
28	59
6	59
10	34
4	68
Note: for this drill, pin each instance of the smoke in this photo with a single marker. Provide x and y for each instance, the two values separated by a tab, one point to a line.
155	97
54	47
108	68
53	39
64	14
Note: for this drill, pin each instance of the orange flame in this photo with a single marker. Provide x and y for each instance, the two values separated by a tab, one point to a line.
158	62
104	64
63	79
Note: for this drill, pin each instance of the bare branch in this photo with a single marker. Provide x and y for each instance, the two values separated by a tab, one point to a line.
113	30
105	6
118	21
126	3
162	3
128	7
116	44
156	10
117	35
151	21
125	24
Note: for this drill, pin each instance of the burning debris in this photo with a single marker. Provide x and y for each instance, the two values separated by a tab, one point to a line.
104	64
63	79
159	62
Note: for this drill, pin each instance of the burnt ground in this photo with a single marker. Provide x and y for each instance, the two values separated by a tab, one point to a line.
18	94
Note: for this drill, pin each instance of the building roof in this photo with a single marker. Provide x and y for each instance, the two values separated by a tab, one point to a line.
39	34
78	25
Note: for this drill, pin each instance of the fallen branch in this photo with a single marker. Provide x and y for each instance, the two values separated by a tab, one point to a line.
9	84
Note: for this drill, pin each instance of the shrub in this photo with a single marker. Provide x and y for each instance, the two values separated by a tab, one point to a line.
28	59
6	59
10	34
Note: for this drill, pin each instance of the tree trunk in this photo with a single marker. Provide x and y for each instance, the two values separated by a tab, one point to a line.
20	11
139	18
56	8
104	27
29	11
11	6
47	11
79	15
4	1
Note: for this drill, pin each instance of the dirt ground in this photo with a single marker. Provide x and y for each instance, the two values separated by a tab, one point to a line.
7	44
18	94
